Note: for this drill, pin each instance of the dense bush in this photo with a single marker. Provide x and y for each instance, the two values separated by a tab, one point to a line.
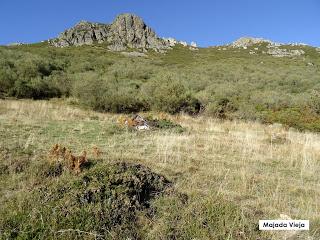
170	95
222	108
224	84
101	95
315	101
36	88
24	76
209	218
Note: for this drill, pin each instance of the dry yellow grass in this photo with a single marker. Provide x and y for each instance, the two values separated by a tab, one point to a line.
239	159
242	161
54	110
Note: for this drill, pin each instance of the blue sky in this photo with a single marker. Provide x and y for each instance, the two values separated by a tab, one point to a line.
207	22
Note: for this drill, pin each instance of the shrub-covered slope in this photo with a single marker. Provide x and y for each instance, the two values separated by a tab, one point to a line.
225	82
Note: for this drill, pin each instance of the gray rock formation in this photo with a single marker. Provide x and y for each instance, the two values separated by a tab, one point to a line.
282	52
245	42
127	31
273	48
173	42
83	33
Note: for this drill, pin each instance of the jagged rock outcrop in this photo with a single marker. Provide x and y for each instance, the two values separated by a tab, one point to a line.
173	42
83	33
274	49
130	31
245	42
127	31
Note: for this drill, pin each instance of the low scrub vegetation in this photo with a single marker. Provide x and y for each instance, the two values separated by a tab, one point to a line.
230	84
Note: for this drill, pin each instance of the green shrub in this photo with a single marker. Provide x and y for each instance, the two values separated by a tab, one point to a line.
302	119
201	218
7	77
315	101
164	124
36	89
221	108
23	76
227	84
99	94
170	95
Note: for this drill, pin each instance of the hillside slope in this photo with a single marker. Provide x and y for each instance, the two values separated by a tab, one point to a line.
223	177
226	81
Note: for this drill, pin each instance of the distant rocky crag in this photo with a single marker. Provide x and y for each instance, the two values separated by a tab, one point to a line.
274	49
126	31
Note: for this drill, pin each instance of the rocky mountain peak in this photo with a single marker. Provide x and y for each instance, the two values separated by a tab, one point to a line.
129	20
126	31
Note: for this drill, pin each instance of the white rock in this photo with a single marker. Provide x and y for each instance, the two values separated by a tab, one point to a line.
144	127
185	44
248	41
172	42
194	44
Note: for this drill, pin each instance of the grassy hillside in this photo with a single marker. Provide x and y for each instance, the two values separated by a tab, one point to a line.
213	180
217	163
224	82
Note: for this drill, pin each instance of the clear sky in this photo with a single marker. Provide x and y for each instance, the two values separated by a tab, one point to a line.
207	22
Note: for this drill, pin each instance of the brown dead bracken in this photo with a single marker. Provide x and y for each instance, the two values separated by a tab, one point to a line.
74	163
80	160
96	152
57	152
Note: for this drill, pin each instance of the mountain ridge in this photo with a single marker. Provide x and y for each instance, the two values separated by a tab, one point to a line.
130	31
126	31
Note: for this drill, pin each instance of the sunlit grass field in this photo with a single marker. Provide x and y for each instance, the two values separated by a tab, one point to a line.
225	175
